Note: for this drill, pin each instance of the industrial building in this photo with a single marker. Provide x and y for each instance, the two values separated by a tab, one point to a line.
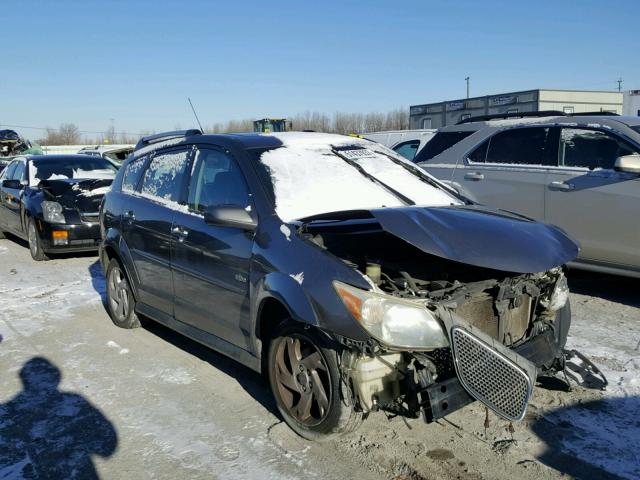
436	115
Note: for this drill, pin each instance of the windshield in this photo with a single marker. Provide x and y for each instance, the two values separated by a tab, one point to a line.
308	180
69	168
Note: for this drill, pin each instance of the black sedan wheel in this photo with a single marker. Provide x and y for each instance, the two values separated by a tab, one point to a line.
305	381
120	300
35	245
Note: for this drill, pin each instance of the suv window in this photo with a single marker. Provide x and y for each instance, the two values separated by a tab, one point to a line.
8	173
132	174
440	142
514	146
163	178
407	149
216	180
581	147
19	172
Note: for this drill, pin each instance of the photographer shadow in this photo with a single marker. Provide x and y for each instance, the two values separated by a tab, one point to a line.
47	433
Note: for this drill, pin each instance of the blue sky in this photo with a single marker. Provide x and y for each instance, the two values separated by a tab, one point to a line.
135	62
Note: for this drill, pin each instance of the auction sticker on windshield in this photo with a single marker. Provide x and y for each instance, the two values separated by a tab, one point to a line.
356	153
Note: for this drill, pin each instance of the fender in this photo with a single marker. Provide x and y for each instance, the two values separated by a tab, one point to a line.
289	293
113	239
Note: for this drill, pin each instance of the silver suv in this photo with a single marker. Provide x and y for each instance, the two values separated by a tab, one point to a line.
581	173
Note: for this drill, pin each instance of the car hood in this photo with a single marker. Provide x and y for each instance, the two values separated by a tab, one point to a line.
481	237
84	195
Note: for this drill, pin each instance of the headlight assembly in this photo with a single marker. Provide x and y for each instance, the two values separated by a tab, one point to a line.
52	212
393	321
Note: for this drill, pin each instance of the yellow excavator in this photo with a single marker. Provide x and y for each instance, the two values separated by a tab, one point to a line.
270	125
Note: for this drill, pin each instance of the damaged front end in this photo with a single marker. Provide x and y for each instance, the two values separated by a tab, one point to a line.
445	333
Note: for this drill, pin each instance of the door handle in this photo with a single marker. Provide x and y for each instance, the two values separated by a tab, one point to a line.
561	186
477	176
180	232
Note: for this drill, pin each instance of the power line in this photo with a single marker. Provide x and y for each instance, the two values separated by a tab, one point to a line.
79	131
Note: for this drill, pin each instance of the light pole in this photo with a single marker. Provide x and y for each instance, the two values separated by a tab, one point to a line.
467	80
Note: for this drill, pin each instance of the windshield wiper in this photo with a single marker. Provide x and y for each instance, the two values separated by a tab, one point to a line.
366	174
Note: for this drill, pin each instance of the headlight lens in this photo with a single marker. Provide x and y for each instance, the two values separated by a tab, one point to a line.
560	294
52	212
393	321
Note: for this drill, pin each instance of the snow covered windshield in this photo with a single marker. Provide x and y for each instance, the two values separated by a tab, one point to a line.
318	173
70	167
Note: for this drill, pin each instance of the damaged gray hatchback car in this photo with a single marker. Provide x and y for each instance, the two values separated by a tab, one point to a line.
353	279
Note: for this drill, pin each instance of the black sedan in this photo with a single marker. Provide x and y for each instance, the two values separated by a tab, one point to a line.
53	201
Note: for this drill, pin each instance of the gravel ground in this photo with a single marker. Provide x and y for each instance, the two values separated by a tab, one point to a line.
149	403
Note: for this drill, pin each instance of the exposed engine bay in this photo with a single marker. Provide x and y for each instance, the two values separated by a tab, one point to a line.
81	195
505	308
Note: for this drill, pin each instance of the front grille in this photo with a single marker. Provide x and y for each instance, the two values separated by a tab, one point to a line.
89	217
489	376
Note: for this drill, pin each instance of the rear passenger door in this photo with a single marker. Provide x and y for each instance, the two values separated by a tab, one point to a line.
597	205
509	170
5	195
211	263
146	224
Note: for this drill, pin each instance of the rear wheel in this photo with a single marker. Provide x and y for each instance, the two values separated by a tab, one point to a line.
305	381
120	300
35	244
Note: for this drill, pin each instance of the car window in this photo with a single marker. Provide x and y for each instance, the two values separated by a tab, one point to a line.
9	170
216	180
591	148
514	146
440	142
132	174
163	177
19	172
407	149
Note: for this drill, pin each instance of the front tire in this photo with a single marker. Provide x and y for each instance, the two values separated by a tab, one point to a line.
35	244
306	383
120	301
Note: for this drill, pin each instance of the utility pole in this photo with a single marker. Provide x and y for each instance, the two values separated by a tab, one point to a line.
619	84
467	80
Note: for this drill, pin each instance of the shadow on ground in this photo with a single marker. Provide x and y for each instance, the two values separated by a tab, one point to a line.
609	287
47	433
593	440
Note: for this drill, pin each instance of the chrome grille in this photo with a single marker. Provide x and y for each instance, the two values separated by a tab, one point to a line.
489	376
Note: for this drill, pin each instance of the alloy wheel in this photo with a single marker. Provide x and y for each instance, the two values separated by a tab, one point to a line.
33	239
118	293
302	380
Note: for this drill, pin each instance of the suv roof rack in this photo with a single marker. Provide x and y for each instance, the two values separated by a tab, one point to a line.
498	116
541	113
161	137
594	114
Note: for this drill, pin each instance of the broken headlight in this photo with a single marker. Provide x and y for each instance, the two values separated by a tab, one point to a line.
393	321
559	296
52	212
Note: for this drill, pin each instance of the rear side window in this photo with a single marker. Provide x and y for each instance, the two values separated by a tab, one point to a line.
163	178
440	142
591	148
216	181
19	172
515	146
132	174
8	173
407	149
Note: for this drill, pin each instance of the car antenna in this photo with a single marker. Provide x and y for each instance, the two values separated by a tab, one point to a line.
195	115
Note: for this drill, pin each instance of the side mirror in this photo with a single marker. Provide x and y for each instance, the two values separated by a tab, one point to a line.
628	163
14	184
230	216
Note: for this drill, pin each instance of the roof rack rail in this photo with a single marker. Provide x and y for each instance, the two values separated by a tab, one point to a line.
161	137
594	114
504	116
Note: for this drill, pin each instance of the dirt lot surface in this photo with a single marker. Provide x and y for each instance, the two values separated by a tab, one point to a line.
149	403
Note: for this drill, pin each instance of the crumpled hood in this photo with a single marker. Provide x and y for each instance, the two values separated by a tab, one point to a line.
84	195
481	237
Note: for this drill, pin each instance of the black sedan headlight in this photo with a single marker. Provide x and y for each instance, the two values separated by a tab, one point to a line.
52	212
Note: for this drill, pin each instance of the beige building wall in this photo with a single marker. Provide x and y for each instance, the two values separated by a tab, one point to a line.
580	101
